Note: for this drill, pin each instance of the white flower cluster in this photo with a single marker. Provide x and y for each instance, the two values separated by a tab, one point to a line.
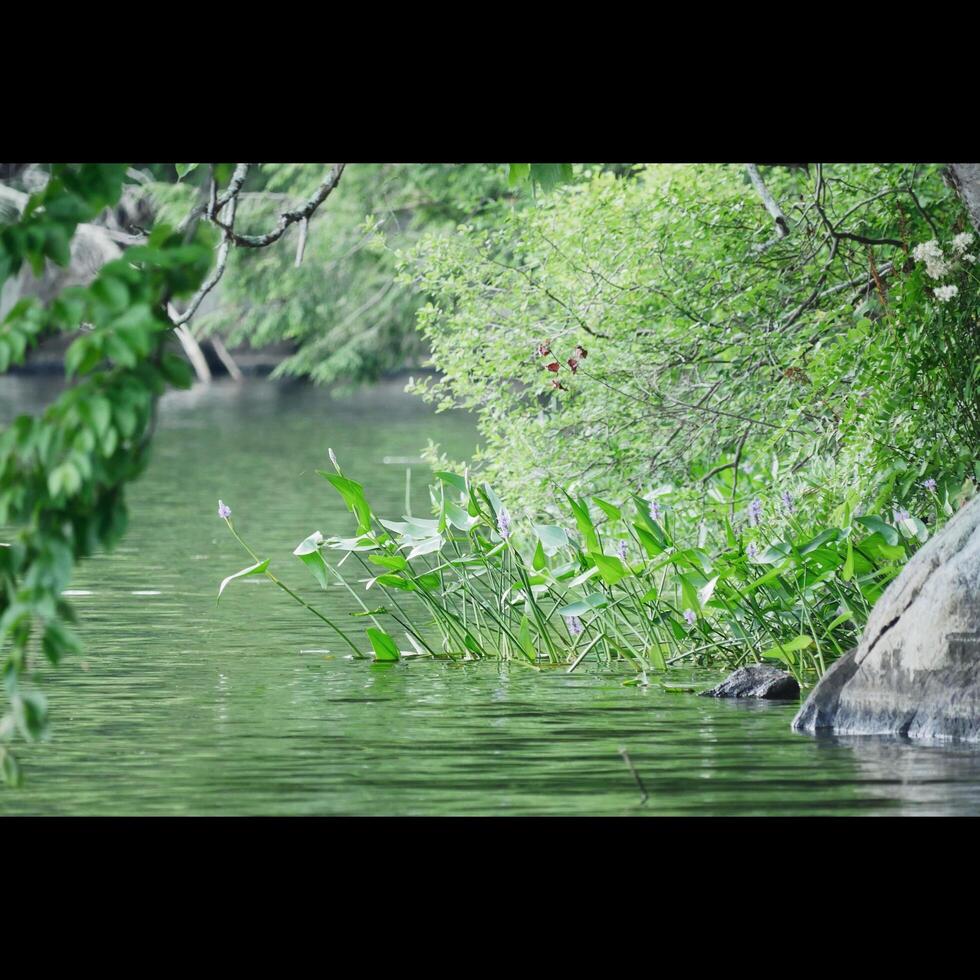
938	265
930	253
962	242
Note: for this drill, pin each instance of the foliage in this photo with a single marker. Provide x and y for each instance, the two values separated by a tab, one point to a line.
906	383
342	308
645	333
748	392
614	581
63	474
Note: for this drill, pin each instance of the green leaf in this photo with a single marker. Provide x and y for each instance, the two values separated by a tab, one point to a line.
363	543
183	169
914	528
395	562
458	517
452	479
550	175
429	580
595	600
177	371
518	174
111	291
877	545
876	524
842	618
257	569
496	504
647	521
527	643
308	552
9	768
64	479
730	538
785	651
689	591
57	641
778	552
539	560
610	567
384	646
425	547
98	413
551	536
584	577
609	509
847	573
830	534
650	544
583	521
353	494
705	594
392	581
769	576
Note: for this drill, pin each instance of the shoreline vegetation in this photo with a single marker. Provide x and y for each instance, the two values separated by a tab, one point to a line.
716	448
617	582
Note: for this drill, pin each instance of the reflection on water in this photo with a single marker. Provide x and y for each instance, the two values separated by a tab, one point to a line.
924	778
181	706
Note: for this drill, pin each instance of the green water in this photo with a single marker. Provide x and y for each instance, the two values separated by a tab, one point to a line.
181	707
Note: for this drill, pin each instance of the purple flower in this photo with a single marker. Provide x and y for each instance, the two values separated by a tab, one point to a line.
574	625
503	523
900	515
752	550
930	484
755	512
224	511
621	550
691	616
655	510
788	502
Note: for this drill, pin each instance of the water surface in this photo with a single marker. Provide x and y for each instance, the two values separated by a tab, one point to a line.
179	706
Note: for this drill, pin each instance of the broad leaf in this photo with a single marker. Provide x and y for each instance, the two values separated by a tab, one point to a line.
785	651
591	602
257	569
551	536
385	649
308	552
353	494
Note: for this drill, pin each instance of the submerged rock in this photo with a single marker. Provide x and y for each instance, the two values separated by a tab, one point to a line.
916	671
756	681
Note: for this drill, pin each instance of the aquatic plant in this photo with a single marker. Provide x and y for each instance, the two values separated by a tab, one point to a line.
474	582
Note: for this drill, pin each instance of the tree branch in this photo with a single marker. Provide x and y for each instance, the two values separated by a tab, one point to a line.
288	218
782	225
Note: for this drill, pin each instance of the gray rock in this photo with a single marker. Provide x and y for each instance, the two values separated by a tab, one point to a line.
756	681
916	671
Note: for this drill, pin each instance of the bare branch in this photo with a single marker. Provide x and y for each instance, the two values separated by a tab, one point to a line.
782	225
233	188
225	357
304	227
288	218
219	270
